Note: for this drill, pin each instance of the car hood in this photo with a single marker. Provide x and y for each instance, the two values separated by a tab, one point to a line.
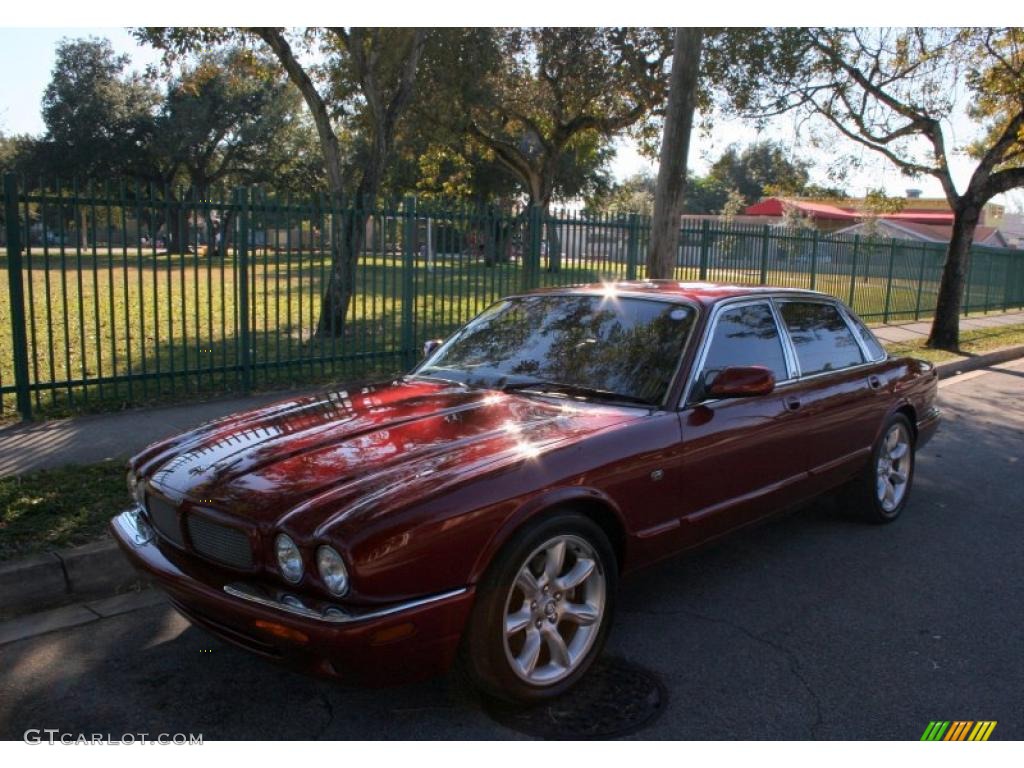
351	453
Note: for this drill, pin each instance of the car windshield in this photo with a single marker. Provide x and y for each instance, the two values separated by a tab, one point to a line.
592	346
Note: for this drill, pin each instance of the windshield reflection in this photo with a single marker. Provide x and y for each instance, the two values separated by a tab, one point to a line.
595	347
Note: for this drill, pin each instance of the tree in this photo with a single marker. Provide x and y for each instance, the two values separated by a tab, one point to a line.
675	147
96	114
230	118
893	91
760	169
547	100
362	86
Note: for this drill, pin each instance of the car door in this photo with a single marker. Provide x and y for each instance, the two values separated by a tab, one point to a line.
839	389
742	457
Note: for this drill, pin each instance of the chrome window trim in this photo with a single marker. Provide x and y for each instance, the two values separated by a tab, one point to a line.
705	343
841	310
849	316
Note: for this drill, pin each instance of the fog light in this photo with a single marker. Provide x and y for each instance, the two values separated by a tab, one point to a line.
289	559
332	571
144	532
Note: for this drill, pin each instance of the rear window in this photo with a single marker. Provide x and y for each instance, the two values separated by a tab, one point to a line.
823	340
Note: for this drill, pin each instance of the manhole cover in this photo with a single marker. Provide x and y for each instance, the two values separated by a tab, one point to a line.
615	698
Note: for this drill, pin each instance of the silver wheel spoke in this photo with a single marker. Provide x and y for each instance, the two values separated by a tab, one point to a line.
898	452
527	581
556	647
518	621
892	439
527	658
579	573
582	614
553	560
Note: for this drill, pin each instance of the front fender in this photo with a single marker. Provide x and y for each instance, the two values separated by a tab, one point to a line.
538	505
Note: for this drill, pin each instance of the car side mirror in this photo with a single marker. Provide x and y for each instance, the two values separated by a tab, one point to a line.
430	347
742	381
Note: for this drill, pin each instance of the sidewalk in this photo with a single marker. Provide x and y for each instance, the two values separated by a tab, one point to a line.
88	439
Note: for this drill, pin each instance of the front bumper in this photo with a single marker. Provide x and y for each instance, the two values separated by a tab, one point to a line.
394	643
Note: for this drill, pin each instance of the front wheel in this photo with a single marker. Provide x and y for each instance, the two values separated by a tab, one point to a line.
543	611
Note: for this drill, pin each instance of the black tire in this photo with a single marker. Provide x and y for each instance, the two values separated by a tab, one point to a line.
485	659
861	497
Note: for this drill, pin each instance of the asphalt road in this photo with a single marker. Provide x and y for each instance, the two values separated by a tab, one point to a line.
811	626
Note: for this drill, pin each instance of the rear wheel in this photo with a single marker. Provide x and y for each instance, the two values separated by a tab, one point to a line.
881	492
543	611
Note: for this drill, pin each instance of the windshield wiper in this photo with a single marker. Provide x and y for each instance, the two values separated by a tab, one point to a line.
429	377
578	390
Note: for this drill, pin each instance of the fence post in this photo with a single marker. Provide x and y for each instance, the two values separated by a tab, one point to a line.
853	270
888	281
531	249
765	234
814	261
19	334
705	248
242	268
632	246
920	281
408	337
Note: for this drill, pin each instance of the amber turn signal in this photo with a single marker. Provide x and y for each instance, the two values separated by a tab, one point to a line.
281	631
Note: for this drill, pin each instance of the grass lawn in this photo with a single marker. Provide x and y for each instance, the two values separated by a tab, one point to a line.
59	508
971	343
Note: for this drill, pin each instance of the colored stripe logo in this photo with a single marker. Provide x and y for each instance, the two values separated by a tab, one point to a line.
958	730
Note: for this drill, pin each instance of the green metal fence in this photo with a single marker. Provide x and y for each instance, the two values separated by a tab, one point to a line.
129	294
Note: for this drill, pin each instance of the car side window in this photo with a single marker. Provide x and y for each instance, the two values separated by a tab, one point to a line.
821	337
873	345
745	335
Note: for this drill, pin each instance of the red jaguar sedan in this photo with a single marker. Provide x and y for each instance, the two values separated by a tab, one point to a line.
483	507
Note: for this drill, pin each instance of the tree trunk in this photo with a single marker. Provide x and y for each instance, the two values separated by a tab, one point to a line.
348	231
675	146
554	241
945	333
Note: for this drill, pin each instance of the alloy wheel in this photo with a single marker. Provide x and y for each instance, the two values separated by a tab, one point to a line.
554	610
893	467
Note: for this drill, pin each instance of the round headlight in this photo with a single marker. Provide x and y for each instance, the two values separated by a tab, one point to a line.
289	559
332	570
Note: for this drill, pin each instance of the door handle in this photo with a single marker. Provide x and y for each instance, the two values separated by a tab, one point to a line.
874	382
792	403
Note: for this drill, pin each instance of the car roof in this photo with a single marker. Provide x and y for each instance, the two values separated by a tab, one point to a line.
704	293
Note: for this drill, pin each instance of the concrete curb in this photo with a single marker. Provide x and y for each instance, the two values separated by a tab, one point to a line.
964	365
99	570
58	578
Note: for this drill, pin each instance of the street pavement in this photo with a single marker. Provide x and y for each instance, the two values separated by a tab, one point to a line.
812	626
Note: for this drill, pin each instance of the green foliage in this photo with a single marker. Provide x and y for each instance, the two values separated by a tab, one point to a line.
97	115
759	169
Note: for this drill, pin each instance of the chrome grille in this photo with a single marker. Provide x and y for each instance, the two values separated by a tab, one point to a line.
221	543
164	517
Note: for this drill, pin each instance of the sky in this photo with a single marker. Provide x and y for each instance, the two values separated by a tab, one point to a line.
27	57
